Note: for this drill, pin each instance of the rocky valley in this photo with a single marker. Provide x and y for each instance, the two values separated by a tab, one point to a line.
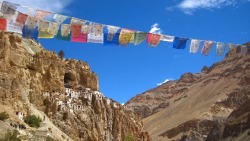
212	105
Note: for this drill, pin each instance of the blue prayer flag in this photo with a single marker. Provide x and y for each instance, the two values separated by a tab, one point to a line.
30	32
180	43
111	35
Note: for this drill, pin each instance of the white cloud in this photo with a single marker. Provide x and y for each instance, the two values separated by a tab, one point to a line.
189	6
155	29
164	82
49	5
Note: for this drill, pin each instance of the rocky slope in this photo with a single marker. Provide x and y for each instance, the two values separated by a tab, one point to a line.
64	93
203	106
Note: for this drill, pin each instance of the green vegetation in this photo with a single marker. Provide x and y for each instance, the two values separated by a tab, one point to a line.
12	136
50	139
129	137
33	121
3	116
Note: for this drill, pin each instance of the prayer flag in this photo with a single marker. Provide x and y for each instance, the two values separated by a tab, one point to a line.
220	48
97	29
244	50
125	36
167	38
232	50
132	39
64	33
30	32
59	18
43	25
139	37
194	46
3	24
21	18
76	30
60	36
9	8
77	34
96	34
77	21
53	28
65	29
179	43
112	37
95	38
14	27
31	22
153	39
207	47
45	34
85	29
41	14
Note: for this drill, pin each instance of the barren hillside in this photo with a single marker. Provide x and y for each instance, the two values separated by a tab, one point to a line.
191	107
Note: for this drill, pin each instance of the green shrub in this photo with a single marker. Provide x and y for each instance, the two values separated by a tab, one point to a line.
50	139
4	116
33	121
12	136
129	137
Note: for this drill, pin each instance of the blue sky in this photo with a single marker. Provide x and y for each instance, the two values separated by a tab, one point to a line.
126	71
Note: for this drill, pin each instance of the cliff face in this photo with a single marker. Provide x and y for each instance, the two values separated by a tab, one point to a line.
62	92
197	106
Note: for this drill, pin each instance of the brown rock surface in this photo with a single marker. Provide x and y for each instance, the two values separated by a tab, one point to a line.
197	104
33	80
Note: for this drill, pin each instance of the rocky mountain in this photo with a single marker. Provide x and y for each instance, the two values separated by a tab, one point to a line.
62	92
209	106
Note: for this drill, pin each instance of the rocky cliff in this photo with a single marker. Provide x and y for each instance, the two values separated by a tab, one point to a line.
64	93
200	106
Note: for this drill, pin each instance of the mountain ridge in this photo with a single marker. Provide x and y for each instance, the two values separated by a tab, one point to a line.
190	107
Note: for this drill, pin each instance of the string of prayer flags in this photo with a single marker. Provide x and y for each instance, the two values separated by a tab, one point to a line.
31	22
64	33
139	37
59	18
206	47
41	14
232	50
14	27
3	24
30	33
220	48
112	37
180	43
96	34
21	18
125	37
167	38
153	39
194	46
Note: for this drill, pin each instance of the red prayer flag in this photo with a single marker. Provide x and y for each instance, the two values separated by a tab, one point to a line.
3	24
153	39
21	18
76	30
